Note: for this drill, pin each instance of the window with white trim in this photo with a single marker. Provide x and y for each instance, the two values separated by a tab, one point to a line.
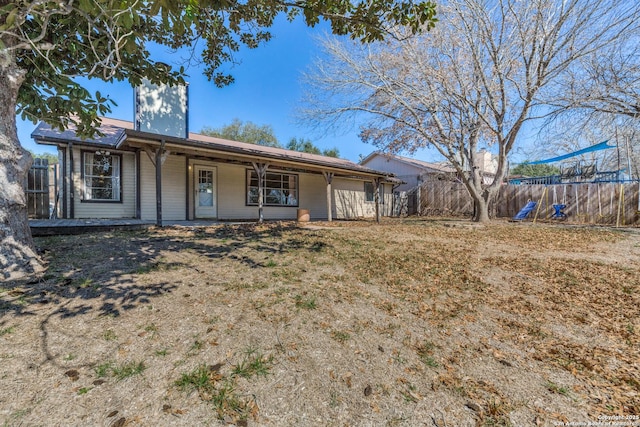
279	189
101	175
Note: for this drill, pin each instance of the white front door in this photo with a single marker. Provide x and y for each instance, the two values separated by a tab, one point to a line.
205	188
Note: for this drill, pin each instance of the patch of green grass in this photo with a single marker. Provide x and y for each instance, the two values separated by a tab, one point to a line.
555	388
254	363
128	370
398	358
218	390
425	353
7	331
340	336
120	372
151	328
270	264
20	413
334	399
109	335
83	283
162	352
226	401
84	390
306	303
103	369
197	379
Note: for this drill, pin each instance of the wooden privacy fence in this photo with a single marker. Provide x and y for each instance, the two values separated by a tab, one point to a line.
444	198
587	203
590	203
39	184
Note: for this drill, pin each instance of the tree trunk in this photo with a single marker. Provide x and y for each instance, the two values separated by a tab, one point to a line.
18	257
480	210
482	203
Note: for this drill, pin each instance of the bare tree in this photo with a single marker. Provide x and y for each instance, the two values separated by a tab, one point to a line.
487	68
607	81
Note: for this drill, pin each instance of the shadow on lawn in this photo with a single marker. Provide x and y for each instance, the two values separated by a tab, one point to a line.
110	273
108	270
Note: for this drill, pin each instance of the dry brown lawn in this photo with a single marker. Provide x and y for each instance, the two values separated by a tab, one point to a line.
411	322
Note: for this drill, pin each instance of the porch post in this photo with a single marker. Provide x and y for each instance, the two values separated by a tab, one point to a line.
158	165
138	189
328	177
72	189
158	160
376	197
261	171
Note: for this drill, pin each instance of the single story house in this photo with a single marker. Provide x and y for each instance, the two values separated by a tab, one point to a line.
129	173
414	172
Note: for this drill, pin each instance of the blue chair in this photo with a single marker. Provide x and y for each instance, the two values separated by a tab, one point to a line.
558	214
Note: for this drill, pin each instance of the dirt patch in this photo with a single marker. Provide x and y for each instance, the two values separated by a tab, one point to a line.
410	322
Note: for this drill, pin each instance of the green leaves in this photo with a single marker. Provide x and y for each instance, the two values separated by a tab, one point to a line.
106	39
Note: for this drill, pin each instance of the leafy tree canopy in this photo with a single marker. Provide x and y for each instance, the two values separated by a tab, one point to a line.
252	133
306	146
48	43
51	158
249	132
527	169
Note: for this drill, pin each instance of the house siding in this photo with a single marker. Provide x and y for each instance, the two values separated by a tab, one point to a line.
232	193
406	172
126	208
173	188
349	200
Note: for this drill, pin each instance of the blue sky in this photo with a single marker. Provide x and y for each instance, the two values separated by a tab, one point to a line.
266	91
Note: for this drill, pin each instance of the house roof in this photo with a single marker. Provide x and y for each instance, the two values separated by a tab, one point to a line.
114	132
120	133
436	167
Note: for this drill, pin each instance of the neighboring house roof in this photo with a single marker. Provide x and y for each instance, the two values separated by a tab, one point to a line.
119	133
435	167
